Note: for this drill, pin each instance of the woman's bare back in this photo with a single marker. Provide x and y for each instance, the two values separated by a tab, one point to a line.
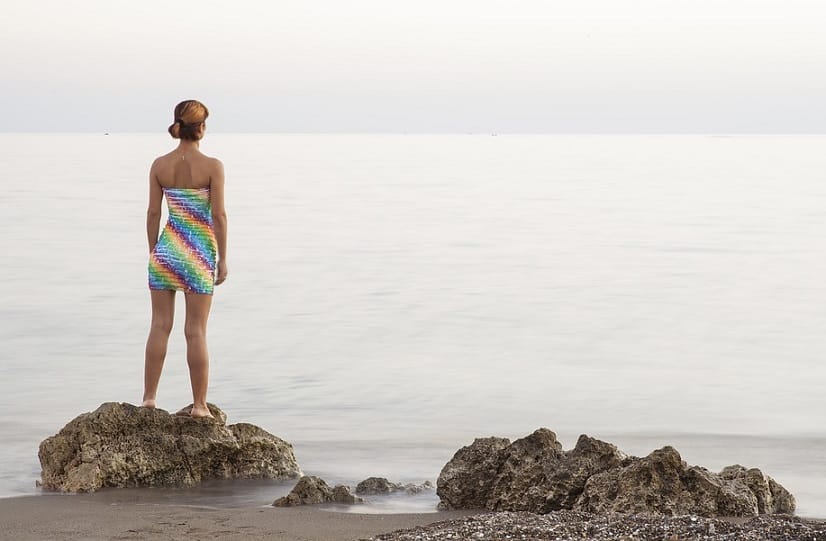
185	169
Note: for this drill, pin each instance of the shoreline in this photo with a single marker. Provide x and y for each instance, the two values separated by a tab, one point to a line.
122	515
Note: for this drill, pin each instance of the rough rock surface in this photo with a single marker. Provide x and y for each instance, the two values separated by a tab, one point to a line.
579	526
311	490
380	485
538	476
121	445
535	474
530	474
467	479
771	496
663	483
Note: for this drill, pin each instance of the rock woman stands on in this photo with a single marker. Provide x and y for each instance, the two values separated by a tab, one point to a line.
191	253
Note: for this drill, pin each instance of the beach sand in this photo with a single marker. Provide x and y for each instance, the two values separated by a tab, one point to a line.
101	517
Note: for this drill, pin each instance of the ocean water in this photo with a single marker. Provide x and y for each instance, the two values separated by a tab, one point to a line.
391	297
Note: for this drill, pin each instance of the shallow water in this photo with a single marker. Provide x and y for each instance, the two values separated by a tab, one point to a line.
392	297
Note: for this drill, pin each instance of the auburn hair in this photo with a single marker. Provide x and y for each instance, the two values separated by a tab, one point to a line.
189	117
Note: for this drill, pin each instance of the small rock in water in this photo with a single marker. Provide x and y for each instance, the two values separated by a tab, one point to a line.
376	485
342	494
412	488
380	485
311	490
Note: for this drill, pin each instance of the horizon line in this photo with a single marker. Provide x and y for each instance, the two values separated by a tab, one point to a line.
485	133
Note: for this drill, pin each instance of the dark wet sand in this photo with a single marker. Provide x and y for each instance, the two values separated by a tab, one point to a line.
92	517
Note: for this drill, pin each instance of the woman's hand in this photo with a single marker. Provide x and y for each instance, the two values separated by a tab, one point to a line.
222	272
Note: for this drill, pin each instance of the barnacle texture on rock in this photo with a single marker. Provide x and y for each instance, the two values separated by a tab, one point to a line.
534	474
121	445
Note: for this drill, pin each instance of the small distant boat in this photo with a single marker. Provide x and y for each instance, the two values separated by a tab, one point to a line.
106	133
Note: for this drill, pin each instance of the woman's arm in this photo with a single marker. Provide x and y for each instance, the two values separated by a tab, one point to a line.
153	212
219	218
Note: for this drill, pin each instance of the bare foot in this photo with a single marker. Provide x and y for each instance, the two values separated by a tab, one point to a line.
199	412
149	403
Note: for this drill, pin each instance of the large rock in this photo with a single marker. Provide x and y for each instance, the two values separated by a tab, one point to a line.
465	482
530	474
121	445
535	474
311	490
662	483
771	496
538	476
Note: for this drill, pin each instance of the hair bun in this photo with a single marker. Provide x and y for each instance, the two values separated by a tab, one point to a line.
190	116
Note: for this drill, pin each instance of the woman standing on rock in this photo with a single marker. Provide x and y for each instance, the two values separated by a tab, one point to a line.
184	257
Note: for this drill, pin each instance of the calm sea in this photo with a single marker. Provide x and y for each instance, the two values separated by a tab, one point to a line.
391	297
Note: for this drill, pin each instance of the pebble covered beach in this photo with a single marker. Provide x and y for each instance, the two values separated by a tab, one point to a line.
578	526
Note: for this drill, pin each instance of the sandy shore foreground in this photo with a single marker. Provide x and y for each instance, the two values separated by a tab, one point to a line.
104	517
97	517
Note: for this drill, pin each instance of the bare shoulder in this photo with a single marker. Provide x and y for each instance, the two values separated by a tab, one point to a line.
161	160
165	157
215	165
157	164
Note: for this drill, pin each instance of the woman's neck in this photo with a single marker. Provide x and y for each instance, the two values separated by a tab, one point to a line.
186	145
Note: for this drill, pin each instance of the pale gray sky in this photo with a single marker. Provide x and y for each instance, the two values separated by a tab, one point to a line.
729	66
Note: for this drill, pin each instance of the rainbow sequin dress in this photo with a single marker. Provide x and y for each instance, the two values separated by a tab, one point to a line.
184	257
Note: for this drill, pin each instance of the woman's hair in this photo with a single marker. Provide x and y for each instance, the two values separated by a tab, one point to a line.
189	115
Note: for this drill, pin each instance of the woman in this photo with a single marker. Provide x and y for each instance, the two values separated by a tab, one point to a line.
184	257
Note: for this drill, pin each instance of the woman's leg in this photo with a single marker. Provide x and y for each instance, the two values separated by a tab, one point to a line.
163	313
197	357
